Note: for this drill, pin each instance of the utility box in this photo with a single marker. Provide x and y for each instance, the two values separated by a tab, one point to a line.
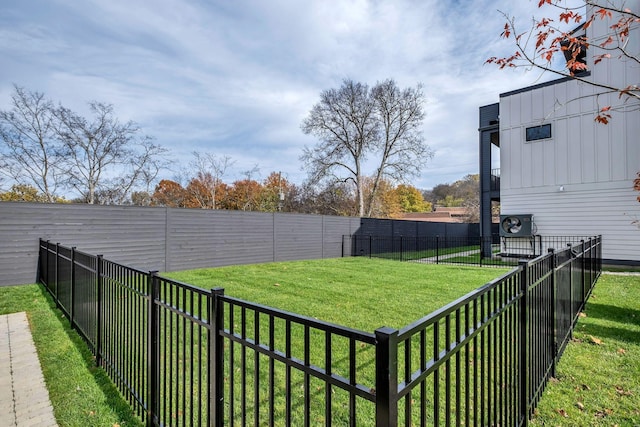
516	225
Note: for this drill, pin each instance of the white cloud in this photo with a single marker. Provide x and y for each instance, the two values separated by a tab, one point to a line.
236	78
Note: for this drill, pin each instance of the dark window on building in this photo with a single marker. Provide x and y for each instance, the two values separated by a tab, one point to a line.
539	132
576	45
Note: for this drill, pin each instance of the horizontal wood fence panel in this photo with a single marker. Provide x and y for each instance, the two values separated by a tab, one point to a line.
164	239
199	238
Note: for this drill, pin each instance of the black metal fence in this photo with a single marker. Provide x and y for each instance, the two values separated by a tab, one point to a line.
186	356
504	251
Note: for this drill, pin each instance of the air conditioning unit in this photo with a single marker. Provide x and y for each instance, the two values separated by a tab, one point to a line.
516	225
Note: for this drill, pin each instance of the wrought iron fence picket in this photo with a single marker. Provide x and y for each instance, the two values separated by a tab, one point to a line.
182	355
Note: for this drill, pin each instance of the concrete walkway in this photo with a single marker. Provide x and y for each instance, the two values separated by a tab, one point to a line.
24	400
445	257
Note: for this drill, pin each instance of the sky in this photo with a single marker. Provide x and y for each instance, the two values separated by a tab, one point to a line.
237	78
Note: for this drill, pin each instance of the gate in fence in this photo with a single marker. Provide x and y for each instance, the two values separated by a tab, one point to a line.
186	356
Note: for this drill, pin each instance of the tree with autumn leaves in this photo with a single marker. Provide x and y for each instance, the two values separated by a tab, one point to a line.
563	33
277	194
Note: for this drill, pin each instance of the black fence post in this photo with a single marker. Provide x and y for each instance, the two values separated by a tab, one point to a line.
401	246
386	377
555	301
571	293
216	359
437	249
44	269
583	267
153	362
99	311
56	272
523	371
599	255
73	288
370	245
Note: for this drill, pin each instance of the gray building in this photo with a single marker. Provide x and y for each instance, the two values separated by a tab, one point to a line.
572	174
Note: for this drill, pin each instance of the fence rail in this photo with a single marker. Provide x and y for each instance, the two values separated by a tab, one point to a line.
186	356
484	251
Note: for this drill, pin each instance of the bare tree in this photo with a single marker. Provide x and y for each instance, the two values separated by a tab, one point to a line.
337	198
214	167
105	156
539	45
403	151
30	153
344	122
354	123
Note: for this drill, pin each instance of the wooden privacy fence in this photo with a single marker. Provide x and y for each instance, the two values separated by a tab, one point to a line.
186	356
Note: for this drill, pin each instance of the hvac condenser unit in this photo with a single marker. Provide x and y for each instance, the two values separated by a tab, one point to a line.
517	235
516	225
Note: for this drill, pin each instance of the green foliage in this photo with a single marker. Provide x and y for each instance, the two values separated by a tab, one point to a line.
411	199
451	201
27	193
463	192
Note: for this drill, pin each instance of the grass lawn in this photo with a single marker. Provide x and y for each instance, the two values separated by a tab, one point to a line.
81	394
598	377
356	292
359	293
427	253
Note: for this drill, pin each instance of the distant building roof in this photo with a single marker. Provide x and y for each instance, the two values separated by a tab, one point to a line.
441	214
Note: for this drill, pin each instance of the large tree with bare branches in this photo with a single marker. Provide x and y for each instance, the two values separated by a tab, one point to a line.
105	157
30	154
358	126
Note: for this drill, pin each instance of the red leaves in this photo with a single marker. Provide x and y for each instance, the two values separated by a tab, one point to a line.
599	58
544	23
576	66
546	37
541	37
503	62
569	16
627	90
606	42
507	31
603	13
603	116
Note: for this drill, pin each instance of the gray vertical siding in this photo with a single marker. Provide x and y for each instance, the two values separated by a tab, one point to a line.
164	239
